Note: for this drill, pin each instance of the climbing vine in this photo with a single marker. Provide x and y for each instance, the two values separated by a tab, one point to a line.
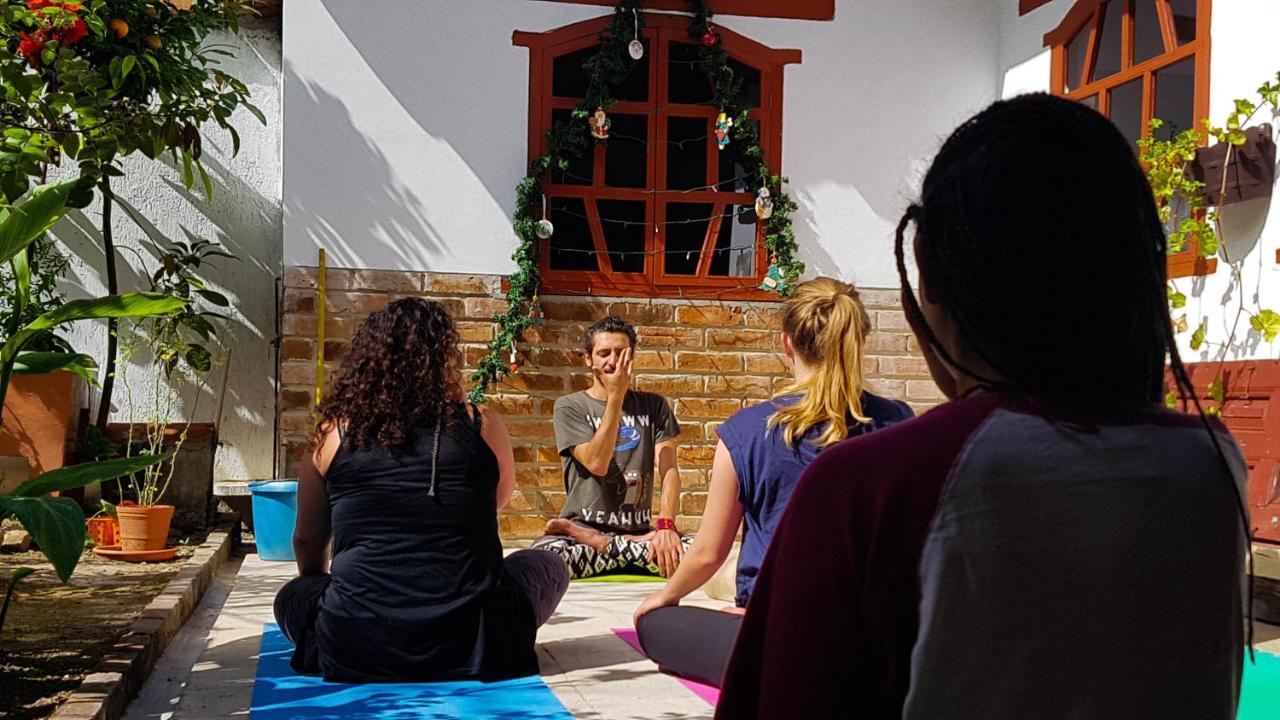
569	139
1176	191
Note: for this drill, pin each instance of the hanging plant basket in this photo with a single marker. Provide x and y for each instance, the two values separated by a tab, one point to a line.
1250	171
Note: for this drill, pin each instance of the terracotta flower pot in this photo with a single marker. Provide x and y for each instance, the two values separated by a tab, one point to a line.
144	527
104	531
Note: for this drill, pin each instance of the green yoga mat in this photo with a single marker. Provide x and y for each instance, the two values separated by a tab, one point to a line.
622	577
1260	691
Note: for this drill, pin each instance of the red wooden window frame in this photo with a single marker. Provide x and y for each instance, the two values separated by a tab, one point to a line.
653	282
1089	14
791	9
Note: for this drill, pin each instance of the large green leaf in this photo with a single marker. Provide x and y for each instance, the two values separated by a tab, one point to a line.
57	526
74	476
136	304
45	205
38	363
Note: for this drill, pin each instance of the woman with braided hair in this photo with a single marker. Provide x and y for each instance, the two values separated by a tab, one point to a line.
402	490
1052	542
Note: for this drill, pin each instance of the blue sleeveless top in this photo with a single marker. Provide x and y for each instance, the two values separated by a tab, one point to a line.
418	591
767	471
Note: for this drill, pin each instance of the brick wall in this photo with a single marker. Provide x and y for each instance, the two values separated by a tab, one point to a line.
710	358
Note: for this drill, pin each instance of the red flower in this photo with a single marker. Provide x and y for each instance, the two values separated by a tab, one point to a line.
30	46
38	4
73	33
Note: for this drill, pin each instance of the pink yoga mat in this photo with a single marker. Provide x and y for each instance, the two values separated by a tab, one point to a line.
706	692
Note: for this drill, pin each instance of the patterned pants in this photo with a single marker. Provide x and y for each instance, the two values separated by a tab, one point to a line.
622	555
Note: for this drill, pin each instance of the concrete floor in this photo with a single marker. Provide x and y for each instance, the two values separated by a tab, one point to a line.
209	669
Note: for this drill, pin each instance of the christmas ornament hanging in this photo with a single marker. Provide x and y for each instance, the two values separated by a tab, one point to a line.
723	123
543	229
635	48
599	123
514	365
709	39
774	281
764	204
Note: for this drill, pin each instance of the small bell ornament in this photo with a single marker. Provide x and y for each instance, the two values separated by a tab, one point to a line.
723	123
599	123
764	204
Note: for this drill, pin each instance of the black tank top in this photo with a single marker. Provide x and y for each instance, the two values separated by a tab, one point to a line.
418	591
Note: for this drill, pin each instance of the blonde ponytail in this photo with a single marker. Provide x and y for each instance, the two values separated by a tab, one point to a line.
827	325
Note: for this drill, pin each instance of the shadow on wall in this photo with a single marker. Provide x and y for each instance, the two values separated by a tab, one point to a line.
153	209
361	175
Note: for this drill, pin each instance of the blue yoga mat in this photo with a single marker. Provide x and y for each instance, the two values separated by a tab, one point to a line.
281	694
1260	691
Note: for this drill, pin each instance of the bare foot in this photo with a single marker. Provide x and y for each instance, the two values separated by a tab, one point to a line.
582	534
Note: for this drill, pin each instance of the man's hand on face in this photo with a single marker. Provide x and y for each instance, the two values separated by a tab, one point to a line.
617	377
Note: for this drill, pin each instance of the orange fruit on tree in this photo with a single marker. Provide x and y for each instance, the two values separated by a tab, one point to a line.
154	42
120	27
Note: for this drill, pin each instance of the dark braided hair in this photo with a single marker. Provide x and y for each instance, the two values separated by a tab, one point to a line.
1038	233
400	374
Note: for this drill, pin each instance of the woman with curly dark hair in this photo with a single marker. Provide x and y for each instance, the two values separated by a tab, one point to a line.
403	488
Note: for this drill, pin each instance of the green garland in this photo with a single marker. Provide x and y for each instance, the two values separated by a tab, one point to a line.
568	140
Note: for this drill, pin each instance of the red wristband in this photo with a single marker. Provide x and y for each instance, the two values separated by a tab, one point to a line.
665	524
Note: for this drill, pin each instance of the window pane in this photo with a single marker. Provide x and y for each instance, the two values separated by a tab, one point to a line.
687	82
624	223
1175	88
1076	53
735	250
1147	40
1091	101
687	140
686	226
749	91
571	245
581	170
737	173
1109	47
1126	110
569	77
1184	20
626	153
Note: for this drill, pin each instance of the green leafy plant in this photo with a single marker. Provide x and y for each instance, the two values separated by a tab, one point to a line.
57	524
93	82
1167	166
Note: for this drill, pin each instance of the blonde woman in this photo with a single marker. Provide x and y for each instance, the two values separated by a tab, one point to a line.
759	458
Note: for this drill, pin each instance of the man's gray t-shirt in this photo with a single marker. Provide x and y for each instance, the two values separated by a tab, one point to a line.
622	500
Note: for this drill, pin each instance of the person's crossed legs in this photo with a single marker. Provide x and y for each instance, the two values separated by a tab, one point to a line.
590	552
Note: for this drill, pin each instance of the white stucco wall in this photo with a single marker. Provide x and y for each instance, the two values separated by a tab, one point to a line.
1243	55
406	128
244	216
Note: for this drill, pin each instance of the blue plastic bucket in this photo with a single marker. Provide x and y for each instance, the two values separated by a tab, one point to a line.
275	511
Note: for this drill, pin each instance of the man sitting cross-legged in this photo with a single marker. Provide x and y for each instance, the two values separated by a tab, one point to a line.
610	438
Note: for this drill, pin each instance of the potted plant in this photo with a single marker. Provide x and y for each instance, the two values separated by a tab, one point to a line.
41	410
177	344
56	523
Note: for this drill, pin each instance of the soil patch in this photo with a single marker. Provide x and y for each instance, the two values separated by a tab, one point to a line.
55	634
